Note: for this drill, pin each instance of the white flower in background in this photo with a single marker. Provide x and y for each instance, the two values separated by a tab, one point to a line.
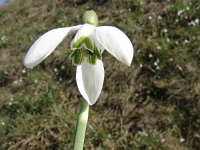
196	20
159	17
87	46
165	30
187	8
150	17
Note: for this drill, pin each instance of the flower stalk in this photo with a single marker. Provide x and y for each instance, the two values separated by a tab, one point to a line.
81	125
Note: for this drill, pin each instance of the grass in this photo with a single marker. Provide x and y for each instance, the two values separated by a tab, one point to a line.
153	104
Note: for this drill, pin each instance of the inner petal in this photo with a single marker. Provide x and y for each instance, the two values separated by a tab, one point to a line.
84	38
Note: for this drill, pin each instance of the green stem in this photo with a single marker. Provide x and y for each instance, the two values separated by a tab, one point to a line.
81	125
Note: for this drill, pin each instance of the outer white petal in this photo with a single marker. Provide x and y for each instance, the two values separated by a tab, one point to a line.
89	80
45	45
115	42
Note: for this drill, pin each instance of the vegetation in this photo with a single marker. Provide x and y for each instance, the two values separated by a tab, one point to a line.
153	104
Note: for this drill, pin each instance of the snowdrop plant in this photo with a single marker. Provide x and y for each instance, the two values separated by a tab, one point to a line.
87	47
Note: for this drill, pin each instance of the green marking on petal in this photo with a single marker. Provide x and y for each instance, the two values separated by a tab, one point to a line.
78	56
98	53
83	40
84	50
92	58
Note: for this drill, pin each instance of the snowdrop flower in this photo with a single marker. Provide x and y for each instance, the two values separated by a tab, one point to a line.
196	20
150	55
86	49
186	41
159	17
2	123
150	17
187	8
182	140
165	30
179	12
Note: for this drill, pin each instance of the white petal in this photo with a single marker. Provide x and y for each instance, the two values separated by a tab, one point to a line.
89	80
87	31
115	42
45	45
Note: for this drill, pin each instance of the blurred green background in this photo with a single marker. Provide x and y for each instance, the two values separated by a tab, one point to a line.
153	104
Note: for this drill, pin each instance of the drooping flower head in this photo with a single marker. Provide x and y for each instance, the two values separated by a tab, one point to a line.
87	47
